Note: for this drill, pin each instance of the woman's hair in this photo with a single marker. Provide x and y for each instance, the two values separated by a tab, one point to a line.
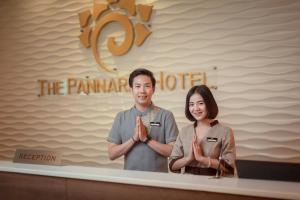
141	71
208	98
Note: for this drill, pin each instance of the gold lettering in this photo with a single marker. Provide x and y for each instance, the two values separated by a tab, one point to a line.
91	85
101	85
42	86
112	86
51	88
71	83
172	81
196	78
58	86
161	80
182	80
123	84
81	87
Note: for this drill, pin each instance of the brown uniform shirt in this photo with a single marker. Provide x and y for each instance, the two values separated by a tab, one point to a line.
217	143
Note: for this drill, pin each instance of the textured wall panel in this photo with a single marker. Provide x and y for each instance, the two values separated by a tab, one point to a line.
249	49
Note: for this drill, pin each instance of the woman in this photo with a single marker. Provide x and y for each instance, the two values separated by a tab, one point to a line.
205	147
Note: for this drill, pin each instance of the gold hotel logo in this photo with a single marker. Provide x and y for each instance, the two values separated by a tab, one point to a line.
122	12
102	15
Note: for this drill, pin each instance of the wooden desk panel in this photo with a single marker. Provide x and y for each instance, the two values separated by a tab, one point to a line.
92	190
16	186
27	181
23	187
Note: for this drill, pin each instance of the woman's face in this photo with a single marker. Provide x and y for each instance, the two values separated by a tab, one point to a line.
197	107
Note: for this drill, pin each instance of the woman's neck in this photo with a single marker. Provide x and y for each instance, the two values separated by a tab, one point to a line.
204	122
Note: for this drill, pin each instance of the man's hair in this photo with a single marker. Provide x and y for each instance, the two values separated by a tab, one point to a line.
208	98
141	71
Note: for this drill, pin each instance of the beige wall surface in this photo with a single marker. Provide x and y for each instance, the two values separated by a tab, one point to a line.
250	50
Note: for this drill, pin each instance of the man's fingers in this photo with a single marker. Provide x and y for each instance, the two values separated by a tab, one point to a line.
137	119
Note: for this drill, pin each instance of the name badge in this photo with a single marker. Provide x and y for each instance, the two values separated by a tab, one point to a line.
154	123
211	139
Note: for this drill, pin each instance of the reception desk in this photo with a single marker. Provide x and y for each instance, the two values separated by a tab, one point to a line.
27	181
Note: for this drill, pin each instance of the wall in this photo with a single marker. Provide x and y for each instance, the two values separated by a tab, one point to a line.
249	50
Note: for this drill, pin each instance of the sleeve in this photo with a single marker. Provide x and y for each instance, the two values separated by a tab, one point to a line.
229	153
114	135
171	130
177	153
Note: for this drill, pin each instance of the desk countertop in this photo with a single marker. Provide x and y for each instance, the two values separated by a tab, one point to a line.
248	187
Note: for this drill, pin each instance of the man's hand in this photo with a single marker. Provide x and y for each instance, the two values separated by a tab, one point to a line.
136	136
142	131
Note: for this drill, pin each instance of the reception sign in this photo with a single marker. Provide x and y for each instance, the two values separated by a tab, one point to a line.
33	156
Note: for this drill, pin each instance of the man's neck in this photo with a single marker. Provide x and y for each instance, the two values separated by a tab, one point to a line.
142	108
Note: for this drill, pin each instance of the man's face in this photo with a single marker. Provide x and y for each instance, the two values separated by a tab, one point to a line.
142	90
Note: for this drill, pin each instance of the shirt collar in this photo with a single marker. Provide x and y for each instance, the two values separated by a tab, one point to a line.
213	123
148	109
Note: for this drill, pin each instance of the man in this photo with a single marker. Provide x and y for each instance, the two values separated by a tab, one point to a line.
144	134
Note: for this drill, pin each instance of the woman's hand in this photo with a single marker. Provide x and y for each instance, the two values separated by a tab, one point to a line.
198	153
191	155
